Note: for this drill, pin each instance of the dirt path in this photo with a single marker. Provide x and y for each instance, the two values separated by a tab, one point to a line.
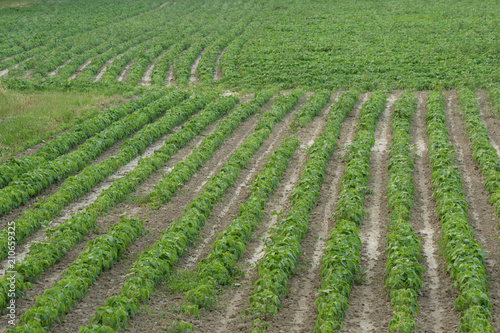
299	312
103	69
218	72
146	79
80	70
194	70
54	72
436	299
481	214
123	75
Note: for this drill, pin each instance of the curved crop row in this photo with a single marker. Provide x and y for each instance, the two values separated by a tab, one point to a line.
283	248
464	257
74	187
65	141
311	108
340	260
98	255
219	265
165	188
403	270
156	262
64	237
33	182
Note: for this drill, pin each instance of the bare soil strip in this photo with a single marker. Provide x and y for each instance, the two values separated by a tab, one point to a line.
123	76
146	79
436	299
170	78
218	72
110	283
103	69
299	312
481	214
194	69
79	70
54	73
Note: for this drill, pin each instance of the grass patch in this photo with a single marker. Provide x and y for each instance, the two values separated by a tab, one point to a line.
29	118
16	3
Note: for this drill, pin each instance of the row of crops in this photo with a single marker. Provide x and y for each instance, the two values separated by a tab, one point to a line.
178	118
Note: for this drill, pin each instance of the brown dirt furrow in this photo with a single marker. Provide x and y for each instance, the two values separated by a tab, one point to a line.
436	312
369	310
490	119
79	70
194	70
481	214
299	312
146	79
156	315
170	78
156	220
54	72
123	75
218	72
103	69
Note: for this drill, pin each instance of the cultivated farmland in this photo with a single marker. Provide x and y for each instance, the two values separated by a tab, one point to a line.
275	166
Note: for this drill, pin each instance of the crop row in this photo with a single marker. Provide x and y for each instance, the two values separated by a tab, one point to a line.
464	256
483	152
165	188
65	141
283	248
403	270
98	255
219	266
64	237
157	261
74	187
33	182
340	260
